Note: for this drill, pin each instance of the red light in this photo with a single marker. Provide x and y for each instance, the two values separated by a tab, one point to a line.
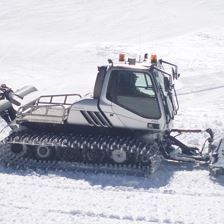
153	58
121	57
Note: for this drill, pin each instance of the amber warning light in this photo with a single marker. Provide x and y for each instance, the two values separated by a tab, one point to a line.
153	58
121	57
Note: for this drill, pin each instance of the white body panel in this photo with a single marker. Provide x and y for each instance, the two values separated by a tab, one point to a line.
102	112
86	112
127	118
76	117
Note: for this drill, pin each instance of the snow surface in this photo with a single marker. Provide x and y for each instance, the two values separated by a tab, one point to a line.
57	45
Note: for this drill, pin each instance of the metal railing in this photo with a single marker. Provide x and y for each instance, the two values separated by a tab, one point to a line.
60	99
49	103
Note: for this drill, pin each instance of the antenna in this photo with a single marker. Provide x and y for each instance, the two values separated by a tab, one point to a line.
110	62
139	46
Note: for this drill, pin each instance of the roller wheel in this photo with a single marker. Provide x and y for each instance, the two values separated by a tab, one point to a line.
69	154
19	149
44	153
119	156
93	155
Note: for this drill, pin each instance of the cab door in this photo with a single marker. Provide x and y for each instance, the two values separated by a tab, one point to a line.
133	98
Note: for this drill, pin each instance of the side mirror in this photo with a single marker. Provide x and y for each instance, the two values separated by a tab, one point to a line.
175	73
167	84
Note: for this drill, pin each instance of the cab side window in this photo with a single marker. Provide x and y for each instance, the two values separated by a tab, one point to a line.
133	91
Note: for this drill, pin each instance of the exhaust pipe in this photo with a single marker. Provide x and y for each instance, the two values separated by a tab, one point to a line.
25	91
15	97
10	98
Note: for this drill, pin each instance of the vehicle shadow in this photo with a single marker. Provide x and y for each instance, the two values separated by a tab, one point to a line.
160	178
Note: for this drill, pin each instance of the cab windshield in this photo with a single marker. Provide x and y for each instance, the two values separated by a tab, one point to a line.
135	92
168	98
160	80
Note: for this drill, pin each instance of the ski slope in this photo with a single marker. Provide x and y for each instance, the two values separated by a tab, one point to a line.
56	46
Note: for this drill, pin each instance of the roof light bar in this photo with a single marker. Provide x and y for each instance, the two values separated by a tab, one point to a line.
121	57
153	58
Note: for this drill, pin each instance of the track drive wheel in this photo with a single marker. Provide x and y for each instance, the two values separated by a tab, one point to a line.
19	149
44	153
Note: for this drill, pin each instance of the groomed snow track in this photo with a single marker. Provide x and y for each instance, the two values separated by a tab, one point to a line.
81	152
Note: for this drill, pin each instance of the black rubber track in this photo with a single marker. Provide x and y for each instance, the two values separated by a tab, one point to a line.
92	151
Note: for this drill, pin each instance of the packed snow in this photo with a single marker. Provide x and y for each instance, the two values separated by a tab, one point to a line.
57	45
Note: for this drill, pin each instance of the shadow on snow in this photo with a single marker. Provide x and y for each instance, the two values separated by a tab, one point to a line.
158	179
